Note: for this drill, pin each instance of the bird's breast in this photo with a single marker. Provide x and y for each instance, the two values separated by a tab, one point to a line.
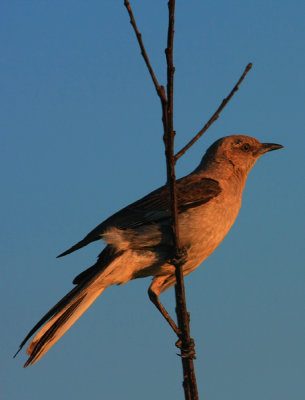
203	228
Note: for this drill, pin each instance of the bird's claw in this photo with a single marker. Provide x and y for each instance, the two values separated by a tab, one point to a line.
188	351
180	258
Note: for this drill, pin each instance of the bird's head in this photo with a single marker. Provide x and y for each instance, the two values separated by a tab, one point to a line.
237	151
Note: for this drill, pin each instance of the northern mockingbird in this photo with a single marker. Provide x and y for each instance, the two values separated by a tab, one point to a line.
139	241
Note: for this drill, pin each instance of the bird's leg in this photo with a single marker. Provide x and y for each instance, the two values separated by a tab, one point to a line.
155	299
186	352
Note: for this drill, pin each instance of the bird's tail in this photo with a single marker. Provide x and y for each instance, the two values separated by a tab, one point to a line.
60	323
79	299
55	323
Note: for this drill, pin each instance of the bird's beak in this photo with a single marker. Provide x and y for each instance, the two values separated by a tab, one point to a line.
270	147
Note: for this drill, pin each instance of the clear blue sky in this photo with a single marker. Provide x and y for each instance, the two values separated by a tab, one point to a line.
81	137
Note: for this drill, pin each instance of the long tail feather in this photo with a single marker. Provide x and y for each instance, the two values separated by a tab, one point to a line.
57	326
59	306
55	323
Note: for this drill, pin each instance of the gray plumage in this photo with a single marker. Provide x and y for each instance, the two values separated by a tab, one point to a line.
138	238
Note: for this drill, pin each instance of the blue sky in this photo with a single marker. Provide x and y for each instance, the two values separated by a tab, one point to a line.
81	137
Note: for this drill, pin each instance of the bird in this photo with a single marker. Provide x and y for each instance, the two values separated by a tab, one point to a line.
139	240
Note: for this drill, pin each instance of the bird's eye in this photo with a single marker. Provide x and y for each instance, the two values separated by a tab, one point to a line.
246	147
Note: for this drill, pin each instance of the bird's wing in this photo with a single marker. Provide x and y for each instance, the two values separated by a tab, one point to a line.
192	191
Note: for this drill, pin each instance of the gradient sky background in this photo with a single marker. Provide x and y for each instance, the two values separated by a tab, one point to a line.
81	137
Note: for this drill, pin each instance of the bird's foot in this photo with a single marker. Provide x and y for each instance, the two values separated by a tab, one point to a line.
180	258
187	349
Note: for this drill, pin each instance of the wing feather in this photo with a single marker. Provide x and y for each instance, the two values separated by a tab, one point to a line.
192	191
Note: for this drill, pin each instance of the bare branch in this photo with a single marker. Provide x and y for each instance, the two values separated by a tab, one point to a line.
187	344
170	70
159	90
215	115
169	134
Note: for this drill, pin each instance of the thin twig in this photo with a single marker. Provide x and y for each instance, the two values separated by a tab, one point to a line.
169	134
159	88
170	82
215	115
161	93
